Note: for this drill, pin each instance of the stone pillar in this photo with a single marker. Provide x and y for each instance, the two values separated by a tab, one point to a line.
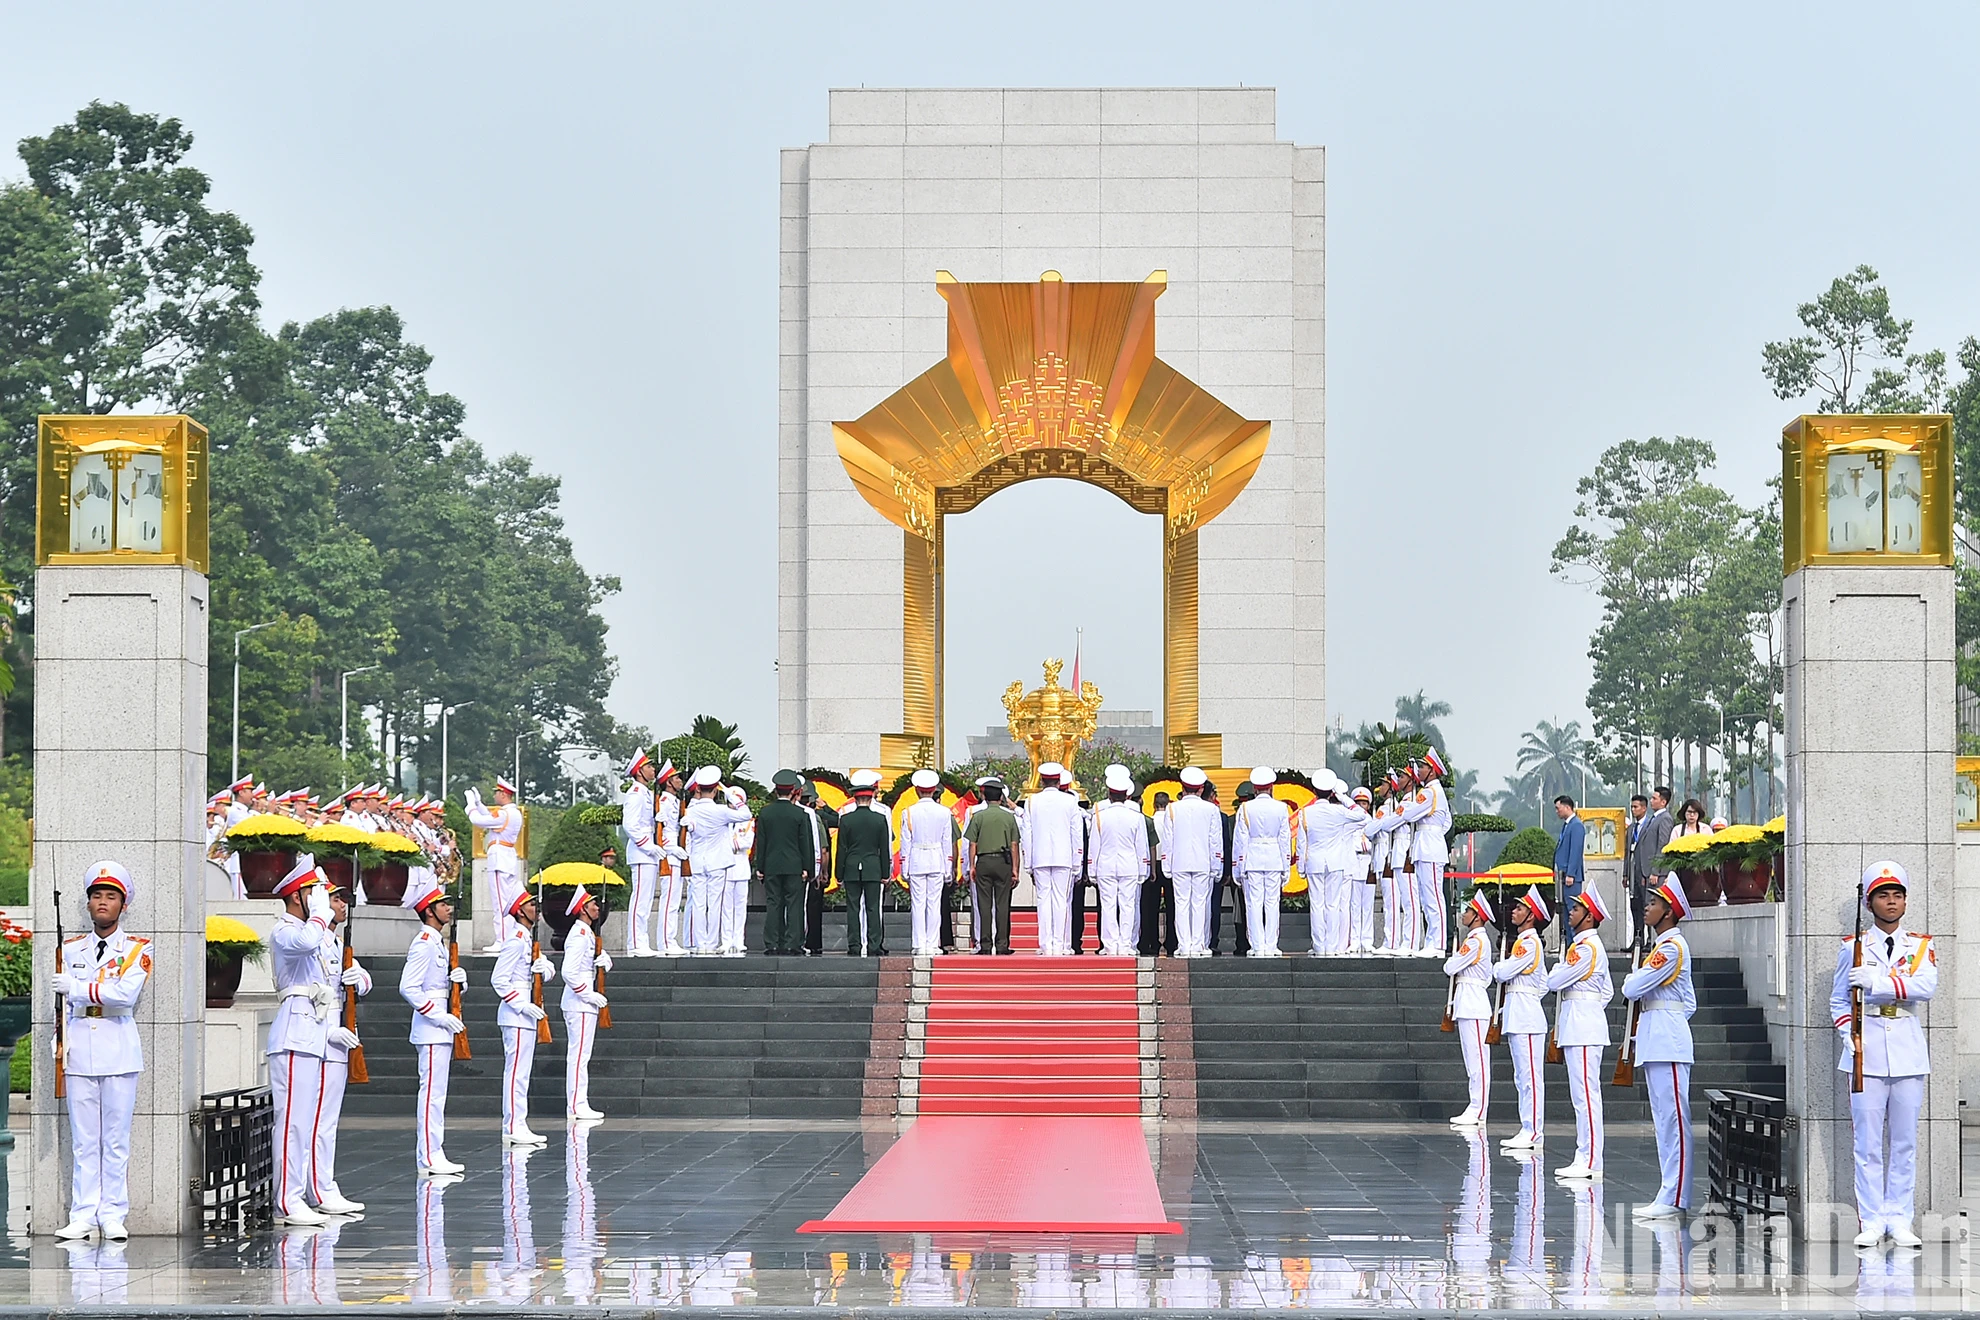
120	772
1870	745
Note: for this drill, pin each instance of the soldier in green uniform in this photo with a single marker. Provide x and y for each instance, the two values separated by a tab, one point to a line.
782	859
814	893
866	860
992	859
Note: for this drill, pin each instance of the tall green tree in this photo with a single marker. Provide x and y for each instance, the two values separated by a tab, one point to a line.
1852	356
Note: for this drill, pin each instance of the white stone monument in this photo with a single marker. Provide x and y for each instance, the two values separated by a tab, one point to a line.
1185	190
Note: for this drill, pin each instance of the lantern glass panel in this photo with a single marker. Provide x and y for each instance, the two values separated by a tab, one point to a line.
90	502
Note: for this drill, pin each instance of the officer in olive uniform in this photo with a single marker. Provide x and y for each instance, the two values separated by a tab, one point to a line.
866	859
814	893
782	857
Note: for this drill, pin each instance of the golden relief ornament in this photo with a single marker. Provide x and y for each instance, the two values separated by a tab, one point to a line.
1051	722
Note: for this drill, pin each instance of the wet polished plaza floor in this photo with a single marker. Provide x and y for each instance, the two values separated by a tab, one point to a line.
695	1214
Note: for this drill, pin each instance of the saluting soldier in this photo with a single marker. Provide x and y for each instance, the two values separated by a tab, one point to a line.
1900	970
299	1035
100	977
784	858
1524	1025
1581	1027
866	850
711	828
643	853
1662	1048
1430	813
501	834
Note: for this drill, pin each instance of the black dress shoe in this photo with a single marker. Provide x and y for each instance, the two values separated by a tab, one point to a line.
984	953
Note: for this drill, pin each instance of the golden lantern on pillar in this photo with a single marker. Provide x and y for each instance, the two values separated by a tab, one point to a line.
118	489
1866	489
1050	722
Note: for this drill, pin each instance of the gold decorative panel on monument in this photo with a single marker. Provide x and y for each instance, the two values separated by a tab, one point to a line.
121	490
1867	488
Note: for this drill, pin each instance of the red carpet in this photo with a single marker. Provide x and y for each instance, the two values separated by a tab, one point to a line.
1007	1175
1008	1036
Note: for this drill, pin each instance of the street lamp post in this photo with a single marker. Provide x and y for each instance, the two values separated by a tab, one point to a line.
518	771
344	718
237	693
571	770
1726	765
445	712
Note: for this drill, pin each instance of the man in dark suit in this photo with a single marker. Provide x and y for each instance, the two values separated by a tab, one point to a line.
1570	865
1639	812
783	858
1652	838
814	893
866	860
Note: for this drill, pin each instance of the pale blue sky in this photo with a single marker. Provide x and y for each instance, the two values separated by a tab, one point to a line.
1551	227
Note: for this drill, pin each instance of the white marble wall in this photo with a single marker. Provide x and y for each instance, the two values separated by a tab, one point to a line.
1870	737
1098	185
120	772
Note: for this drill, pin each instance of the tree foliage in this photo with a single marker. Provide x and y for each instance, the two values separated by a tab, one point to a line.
350	507
1853	355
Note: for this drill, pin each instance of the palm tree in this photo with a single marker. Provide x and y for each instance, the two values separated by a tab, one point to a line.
1555	759
709	729
1419	715
1464	789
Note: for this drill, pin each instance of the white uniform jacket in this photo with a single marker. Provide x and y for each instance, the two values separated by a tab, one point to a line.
1472	966
501	831
711	831
1429	813
1907	974
1524	970
101	1036
1120	841
1663	983
928	839
1054	830
1196	837
1380	823
580	966
512	980
1261	836
667	820
1330	833
331	957
424	985
305	1002
1582	979
636	818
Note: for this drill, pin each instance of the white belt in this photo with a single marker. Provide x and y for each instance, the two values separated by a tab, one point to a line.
1535	994
320	998
1584	996
1663	1006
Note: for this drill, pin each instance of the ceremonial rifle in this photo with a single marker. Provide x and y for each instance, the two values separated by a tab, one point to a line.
358	1072
1626	1060
1450	998
1856	1004
598	940
1493	1034
61	1004
461	1050
536	977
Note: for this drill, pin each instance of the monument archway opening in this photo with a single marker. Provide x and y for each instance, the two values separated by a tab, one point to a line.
1049	379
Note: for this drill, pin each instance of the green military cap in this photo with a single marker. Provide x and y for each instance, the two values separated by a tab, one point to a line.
787	779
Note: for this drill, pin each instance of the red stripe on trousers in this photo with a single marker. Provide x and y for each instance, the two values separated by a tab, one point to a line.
322	1077
1683	1136
288	1098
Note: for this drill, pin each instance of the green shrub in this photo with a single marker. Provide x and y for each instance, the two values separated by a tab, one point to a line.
1532	845
581	834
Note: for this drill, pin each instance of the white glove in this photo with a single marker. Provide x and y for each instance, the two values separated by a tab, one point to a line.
453	1024
473	797
344	1036
354	975
604	961
531	1011
591	997
544	968
458	975
1864	978
63	984
318	902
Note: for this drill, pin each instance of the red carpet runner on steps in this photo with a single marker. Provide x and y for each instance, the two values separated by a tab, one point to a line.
1030	1105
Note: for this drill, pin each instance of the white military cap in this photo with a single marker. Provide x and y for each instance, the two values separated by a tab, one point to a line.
867	779
1264	776
737	795
1119	780
1193	777
708	776
1051	770
109	873
925	778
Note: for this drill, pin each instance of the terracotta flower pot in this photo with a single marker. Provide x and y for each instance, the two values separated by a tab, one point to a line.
342	872
1701	887
223	980
262	871
1746	882
385	884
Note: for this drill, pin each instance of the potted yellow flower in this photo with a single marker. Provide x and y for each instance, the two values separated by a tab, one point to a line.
385	870
1700	879
266	846
338	849
230	945
1745	854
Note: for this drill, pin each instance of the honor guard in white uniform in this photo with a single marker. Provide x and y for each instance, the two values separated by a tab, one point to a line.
1328	830
299	1035
1407	936
1471	969
711	830
1380	824
1361	882
100	977
501	834
1053	842
1524	1024
639	817
1429	813
425	984
514	983
928	859
1121	863
1661	1048
673	857
1194	860
1262	837
583	959
1581	1027
735	885
1900	971
338	1042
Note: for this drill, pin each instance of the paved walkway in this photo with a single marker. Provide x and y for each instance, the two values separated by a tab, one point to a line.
704	1214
